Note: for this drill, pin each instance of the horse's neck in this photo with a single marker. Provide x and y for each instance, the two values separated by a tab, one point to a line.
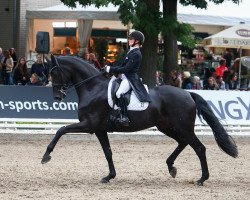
93	89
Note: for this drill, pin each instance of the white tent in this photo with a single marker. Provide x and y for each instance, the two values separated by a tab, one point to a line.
234	37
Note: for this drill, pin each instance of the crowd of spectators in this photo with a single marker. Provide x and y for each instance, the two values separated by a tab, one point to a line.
223	77
14	71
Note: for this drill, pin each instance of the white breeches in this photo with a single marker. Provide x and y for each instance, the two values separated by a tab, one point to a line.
124	86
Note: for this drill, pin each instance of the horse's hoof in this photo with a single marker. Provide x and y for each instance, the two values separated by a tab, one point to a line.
198	183
104	180
46	159
173	172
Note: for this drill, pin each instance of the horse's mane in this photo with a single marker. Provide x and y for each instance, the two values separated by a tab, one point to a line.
79	62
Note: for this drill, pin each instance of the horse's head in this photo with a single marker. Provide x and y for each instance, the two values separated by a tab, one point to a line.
70	72
60	79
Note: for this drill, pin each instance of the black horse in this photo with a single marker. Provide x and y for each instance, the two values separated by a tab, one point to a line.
172	111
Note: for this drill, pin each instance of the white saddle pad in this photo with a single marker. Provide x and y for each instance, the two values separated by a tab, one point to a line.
134	104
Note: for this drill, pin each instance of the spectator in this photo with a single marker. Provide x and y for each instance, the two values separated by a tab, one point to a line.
233	82
197	83
175	79
94	61
244	73
221	68
207	73
187	81
7	67
228	57
159	78
21	75
67	51
40	69
34	80
1	55
212	85
13	55
220	83
1	61
85	56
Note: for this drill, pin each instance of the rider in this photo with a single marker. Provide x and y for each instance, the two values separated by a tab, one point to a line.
128	73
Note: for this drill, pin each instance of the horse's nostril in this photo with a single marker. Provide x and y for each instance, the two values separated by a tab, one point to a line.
58	98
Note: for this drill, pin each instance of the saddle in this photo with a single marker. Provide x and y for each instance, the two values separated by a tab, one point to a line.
133	102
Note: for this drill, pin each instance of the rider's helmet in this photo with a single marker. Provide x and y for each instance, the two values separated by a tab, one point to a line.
137	35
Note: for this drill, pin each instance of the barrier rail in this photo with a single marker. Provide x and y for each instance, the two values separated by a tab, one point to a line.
50	126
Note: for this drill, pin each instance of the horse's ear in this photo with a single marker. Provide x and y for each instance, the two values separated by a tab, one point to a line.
53	61
48	61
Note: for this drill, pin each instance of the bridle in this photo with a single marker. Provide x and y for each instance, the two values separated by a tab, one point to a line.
67	88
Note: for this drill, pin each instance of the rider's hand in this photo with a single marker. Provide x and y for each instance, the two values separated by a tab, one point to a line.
106	68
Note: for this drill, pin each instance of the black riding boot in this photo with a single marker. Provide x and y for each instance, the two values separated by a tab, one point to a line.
123	120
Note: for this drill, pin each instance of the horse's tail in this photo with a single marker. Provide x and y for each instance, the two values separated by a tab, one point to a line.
224	141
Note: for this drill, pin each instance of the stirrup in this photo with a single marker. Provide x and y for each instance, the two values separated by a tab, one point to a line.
124	121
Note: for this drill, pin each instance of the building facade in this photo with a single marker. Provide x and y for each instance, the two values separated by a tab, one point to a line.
13	22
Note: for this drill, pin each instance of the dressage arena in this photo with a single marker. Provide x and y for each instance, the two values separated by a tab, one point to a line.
78	164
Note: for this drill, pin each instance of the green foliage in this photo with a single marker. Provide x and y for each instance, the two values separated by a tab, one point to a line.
145	15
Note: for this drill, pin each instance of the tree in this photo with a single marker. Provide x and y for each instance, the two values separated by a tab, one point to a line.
172	30
145	15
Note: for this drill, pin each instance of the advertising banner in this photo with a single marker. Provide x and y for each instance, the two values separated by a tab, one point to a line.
231	107
35	102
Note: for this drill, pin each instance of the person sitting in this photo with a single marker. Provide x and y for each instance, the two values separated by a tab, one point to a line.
197	83
212	85
94	61
221	83
67	51
175	79
34	80
40	68
232	83
128	72
187	83
21	75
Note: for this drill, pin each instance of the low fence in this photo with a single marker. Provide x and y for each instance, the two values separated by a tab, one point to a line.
32	110
45	126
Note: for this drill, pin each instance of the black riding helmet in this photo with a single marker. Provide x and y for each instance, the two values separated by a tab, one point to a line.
137	35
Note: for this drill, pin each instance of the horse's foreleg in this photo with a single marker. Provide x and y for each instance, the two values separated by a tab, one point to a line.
170	161
72	128
103	139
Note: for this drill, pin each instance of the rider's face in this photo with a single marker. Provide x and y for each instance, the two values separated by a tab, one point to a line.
131	41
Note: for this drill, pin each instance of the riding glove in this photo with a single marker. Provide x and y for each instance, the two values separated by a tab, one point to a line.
107	68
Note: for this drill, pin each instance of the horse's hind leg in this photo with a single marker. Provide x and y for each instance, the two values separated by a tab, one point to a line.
103	139
200	150
170	161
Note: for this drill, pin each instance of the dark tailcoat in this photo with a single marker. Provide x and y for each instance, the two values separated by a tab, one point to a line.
129	68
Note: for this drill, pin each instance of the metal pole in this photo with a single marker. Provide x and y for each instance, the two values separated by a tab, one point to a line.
240	66
14	25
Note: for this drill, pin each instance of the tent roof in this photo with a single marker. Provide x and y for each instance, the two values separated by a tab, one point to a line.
241	31
233	37
79	7
110	13
79	12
